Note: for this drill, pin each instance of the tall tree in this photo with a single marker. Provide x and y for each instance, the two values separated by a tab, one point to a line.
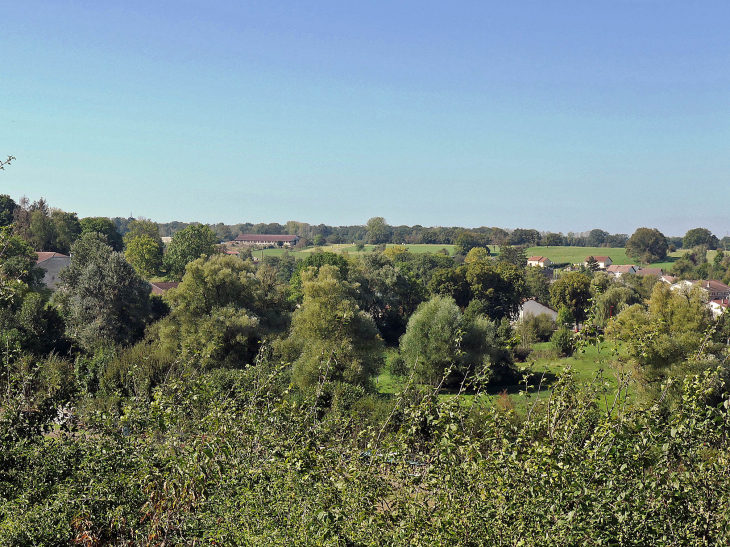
331	339
573	291
7	208
187	245
378	231
143	226
67	230
221	311
106	227
647	245
103	298
145	255
596	238
700	236
466	240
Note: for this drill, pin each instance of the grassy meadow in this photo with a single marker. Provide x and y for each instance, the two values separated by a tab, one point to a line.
574	255
589	365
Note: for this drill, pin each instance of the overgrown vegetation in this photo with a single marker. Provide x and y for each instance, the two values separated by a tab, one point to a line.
245	406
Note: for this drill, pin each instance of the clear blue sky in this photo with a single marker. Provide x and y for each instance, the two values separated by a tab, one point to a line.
550	115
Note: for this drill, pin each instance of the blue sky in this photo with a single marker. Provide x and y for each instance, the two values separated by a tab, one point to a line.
550	115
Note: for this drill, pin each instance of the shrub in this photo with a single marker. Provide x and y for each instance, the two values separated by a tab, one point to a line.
562	341
535	328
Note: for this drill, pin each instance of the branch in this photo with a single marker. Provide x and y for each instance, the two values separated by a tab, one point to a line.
6	162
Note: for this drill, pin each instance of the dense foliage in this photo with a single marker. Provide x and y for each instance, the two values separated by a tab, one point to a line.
246	406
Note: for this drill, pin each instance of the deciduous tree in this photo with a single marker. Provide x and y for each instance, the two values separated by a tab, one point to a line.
330	337
187	245
106	227
572	290
103	298
700	236
144	254
647	245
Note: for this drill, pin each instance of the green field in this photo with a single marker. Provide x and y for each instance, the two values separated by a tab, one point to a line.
575	255
588	366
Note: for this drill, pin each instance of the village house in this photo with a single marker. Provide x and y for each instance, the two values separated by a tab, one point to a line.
617	270
715	290
52	263
534	308
542	261
266	240
603	261
656	272
718	307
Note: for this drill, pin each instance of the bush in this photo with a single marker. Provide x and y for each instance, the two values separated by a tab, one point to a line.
562	341
535	328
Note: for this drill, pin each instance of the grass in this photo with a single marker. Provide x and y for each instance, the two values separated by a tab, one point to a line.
586	366
667	264
574	255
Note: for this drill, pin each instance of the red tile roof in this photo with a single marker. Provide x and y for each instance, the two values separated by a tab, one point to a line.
600	258
162	288
43	256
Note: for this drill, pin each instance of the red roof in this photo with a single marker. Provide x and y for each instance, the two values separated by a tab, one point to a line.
43	256
600	258
267	238
161	288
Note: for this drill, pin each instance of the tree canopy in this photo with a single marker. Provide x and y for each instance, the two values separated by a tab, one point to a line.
103	299
647	245
700	236
187	245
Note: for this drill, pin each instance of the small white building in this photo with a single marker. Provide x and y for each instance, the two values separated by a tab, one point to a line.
718	307
266	240
542	261
603	261
52	263
534	308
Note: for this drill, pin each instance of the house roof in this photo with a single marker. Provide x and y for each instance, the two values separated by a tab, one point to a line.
720	302
268	238
537	259
600	258
161	288
620	268
650	271
43	256
534	307
716	286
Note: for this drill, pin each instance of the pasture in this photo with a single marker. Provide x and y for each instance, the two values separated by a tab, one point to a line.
575	255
